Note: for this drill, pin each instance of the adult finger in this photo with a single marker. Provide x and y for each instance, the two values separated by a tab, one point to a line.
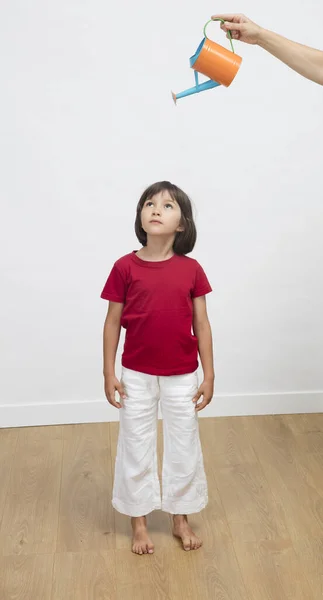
227	17
227	26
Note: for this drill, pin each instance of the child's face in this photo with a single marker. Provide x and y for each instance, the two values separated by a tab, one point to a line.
161	215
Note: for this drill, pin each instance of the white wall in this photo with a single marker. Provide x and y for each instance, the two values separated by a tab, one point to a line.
87	122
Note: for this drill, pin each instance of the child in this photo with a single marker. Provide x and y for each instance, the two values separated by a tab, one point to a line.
158	295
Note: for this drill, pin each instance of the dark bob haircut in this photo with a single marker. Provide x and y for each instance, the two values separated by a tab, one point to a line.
185	240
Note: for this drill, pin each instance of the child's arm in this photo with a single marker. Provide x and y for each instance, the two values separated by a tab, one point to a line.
111	336
202	330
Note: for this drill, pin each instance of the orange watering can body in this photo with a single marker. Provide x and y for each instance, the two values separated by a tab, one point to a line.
214	61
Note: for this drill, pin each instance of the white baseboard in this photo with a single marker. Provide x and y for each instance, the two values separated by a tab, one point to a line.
26	415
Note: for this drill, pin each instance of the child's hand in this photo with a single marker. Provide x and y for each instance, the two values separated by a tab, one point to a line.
205	390
111	384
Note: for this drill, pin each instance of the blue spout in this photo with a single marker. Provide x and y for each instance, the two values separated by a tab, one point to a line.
199	87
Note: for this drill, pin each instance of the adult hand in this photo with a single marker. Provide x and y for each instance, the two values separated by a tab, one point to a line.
240	27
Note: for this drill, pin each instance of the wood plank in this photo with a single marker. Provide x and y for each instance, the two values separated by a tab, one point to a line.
8	442
310	553
271	570
86	519
175	574
142	577
84	575
310	442
206	574
226	441
262	529
26	577
251	511
283	468
30	515
310	467
304	423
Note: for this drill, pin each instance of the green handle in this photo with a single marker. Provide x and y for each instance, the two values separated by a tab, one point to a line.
229	33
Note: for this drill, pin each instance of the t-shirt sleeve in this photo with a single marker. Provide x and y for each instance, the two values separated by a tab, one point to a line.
115	287
201	285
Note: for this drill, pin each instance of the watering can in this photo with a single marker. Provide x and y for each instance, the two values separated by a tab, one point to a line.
214	61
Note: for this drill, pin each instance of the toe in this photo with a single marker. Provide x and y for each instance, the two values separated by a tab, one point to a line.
186	544
151	549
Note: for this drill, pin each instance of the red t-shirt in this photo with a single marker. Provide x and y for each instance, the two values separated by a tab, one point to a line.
158	312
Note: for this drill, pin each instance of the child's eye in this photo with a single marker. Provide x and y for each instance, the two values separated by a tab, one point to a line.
149	203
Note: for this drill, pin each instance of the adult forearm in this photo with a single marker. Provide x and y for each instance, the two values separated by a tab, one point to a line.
304	60
205	345
111	336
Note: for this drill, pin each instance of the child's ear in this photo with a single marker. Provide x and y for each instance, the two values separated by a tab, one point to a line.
180	228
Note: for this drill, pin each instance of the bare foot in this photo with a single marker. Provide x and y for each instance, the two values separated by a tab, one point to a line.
141	542
183	531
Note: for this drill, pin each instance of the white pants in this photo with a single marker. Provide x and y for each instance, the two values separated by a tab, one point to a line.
136	490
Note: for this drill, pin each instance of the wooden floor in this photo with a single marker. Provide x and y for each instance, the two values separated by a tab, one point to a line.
262	530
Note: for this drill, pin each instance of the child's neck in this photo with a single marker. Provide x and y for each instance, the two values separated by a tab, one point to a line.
157	250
